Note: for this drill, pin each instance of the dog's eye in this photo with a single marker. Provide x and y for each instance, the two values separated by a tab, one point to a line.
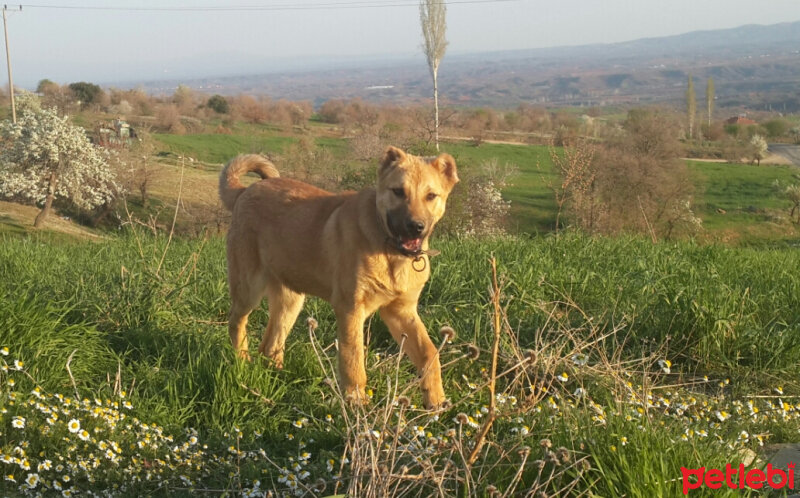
399	192
431	196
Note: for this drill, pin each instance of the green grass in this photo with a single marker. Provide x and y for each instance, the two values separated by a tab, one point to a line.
123	321
212	148
743	191
220	148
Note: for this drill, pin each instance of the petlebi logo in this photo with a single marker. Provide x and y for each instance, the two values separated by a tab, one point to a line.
738	478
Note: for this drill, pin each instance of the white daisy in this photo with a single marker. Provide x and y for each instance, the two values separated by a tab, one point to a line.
74	425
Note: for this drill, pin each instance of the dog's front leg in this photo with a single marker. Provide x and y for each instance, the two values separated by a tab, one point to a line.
407	329
352	369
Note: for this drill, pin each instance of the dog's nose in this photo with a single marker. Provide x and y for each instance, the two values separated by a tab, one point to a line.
415	227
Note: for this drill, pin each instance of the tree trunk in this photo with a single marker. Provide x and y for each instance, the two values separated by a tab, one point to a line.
104	212
143	186
48	202
436	108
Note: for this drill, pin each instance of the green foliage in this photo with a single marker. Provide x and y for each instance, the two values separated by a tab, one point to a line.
218	104
86	93
710	96
45	86
732	129
777	127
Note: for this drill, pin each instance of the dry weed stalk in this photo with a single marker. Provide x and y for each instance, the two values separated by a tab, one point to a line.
493	379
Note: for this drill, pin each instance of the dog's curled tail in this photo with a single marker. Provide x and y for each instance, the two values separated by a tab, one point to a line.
229	185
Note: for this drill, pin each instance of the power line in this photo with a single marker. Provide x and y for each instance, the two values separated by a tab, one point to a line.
258	8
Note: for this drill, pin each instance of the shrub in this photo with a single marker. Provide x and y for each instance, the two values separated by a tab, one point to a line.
218	104
642	184
776	127
86	93
476	207
169	119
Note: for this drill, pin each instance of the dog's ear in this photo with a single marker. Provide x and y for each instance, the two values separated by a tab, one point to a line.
392	156
446	166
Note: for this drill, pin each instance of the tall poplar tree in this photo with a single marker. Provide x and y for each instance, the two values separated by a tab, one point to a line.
432	16
691	107
710	98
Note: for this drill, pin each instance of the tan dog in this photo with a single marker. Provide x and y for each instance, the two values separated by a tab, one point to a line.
357	250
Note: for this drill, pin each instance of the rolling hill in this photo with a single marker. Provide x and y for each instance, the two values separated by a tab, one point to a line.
753	66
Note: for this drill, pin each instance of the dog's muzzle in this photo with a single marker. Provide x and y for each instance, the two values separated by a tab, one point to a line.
406	234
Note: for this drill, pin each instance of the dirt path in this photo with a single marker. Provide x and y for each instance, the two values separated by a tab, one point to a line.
787	151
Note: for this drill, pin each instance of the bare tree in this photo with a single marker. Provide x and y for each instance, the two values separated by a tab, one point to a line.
577	172
641	184
432	15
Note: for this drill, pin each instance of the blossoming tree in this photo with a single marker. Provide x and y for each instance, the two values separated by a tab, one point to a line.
44	157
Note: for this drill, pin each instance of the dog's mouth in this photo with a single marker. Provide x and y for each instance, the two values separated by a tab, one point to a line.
406	246
411	246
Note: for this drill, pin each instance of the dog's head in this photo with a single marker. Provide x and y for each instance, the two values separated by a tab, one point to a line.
411	196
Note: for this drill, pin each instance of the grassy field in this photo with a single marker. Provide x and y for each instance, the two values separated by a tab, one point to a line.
117	373
739	198
214	148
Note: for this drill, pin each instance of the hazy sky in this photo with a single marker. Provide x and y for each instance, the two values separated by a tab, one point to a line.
103	45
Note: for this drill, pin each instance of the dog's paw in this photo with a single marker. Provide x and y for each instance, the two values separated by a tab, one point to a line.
439	407
243	355
356	398
433	397
272	362
273	358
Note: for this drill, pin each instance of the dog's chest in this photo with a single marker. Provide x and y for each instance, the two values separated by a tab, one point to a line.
387	280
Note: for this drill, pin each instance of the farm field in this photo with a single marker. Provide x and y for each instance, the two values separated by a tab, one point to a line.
126	339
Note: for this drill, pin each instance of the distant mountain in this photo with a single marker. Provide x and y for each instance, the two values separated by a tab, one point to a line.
752	66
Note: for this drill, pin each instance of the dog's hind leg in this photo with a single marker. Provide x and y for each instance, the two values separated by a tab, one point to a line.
246	293
237	325
284	306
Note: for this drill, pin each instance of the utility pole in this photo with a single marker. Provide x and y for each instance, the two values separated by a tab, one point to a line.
8	62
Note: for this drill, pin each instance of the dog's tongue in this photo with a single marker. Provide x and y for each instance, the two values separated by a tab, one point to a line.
412	245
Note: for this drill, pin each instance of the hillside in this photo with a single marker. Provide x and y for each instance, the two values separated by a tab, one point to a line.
761	63
18	219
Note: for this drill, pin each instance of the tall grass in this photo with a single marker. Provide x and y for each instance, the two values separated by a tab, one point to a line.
584	401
